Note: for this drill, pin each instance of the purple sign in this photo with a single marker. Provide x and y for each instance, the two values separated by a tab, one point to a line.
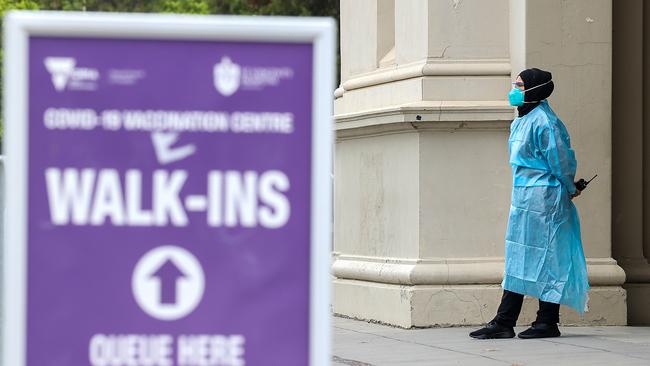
169	202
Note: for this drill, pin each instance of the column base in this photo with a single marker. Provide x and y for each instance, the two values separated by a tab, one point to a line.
637	274
409	306
638	300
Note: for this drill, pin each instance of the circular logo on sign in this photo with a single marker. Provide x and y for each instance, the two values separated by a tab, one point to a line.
168	282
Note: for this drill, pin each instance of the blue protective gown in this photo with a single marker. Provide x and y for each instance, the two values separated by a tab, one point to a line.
544	256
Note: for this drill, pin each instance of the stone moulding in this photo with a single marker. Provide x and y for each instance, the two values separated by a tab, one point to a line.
433	115
427	68
452	271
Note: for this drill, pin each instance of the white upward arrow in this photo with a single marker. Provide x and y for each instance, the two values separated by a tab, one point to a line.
162	144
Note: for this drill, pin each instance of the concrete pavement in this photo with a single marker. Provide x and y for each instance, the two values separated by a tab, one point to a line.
358	343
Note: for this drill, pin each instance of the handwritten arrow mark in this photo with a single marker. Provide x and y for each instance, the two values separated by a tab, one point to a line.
162	144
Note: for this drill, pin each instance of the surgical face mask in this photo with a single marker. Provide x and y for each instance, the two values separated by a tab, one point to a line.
516	95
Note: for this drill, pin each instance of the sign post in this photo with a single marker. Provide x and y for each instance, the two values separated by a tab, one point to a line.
168	190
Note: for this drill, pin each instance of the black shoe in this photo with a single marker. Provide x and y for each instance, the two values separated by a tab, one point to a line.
540	330
493	330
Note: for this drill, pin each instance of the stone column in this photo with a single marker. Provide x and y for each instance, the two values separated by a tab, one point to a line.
631	152
422	181
646	142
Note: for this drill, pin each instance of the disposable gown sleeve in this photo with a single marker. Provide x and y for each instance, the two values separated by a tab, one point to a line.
556	147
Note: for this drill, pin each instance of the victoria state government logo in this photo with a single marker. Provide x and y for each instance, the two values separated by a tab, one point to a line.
67	75
227	76
60	68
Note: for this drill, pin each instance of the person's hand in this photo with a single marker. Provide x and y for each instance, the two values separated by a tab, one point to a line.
576	194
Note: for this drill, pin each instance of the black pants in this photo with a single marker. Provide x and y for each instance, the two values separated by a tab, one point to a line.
548	313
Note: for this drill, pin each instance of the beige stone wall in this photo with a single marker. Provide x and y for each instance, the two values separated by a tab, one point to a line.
376	200
465	194
360	53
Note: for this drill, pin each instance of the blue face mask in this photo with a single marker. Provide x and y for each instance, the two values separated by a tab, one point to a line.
516	95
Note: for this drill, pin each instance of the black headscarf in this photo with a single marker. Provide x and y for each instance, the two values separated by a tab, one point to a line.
532	78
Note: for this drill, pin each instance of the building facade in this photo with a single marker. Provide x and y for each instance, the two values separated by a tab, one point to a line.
422	180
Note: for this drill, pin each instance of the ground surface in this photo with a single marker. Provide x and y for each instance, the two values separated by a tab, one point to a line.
358	343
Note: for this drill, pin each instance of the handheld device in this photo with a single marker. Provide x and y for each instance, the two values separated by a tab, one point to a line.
581	184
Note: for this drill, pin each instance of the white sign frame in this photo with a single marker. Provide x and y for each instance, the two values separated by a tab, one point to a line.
20	25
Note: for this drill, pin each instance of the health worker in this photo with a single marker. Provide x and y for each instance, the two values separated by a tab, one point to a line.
543	255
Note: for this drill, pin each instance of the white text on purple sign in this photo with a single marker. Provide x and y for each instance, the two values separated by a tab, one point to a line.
249	199
87	119
159	350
